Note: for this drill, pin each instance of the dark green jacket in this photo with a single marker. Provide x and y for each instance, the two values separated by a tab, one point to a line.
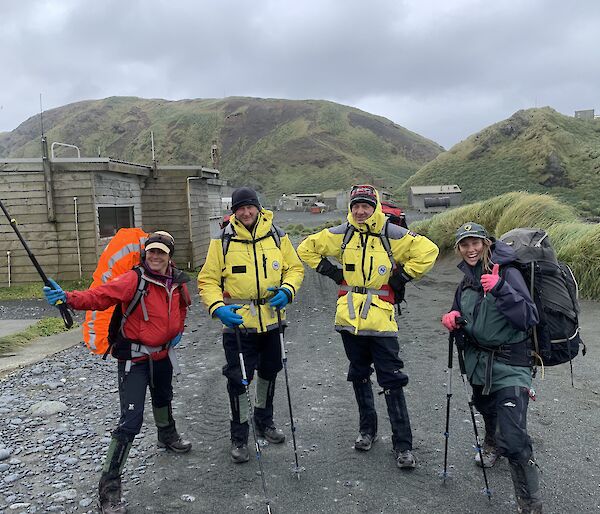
502	317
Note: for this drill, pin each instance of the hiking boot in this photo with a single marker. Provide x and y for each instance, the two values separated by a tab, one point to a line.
239	453
405	459
271	434
364	442
490	456
109	495
109	507
178	445
526	507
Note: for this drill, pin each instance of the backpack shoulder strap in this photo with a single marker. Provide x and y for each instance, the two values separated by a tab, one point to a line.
385	241
227	234
348	233
137	297
277	233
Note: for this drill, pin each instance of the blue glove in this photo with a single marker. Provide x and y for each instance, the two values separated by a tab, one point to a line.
228	316
173	342
282	297
54	295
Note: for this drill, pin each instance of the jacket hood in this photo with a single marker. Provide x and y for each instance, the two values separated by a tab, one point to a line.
264	221
502	253
373	223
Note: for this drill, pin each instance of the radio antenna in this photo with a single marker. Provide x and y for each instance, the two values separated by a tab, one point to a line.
41	115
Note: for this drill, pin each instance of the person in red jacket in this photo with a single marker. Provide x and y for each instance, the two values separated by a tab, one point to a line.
142	340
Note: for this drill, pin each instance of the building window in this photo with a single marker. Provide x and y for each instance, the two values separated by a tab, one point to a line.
111	219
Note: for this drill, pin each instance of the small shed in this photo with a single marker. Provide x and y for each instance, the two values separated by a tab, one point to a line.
434	198
298	202
68	209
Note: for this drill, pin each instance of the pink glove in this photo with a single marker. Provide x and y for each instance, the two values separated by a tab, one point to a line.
449	320
489	281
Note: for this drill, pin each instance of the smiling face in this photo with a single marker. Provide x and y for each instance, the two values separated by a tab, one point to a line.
471	249
247	214
361	211
157	261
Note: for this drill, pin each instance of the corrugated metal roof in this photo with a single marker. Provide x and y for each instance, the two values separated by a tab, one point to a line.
435	190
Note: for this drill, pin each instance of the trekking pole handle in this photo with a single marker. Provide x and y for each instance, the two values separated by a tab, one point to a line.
461	321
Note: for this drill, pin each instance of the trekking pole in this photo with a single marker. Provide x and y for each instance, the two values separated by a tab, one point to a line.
251	419
463	375
448	396
62	307
297	469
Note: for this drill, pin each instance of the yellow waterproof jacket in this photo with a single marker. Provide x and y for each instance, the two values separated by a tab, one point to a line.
253	262
366	264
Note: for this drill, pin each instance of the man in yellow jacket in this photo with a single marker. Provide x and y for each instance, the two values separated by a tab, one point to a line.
378	259
251	270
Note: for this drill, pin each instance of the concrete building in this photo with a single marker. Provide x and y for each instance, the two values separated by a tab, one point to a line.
434	198
68	209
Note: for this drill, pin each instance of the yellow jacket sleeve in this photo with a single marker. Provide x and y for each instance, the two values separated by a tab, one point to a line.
416	253
209	278
319	245
293	270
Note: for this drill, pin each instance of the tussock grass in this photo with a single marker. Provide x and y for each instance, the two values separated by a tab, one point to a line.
575	242
44	327
34	290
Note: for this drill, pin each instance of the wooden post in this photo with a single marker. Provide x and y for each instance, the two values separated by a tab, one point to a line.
47	165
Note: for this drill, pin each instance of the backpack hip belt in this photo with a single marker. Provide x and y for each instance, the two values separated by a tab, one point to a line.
140	350
251	302
361	290
515	354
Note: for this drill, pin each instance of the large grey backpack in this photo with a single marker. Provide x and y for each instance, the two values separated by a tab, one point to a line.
554	289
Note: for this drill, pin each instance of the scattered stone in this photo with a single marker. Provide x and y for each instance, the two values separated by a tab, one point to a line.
47	408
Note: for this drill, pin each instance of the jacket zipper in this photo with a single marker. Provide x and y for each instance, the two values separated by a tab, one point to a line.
371	268
265	264
364	254
257	277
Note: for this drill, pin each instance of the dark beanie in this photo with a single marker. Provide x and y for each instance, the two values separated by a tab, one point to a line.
243	196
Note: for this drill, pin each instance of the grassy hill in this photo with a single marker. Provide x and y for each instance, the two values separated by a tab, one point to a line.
274	145
535	150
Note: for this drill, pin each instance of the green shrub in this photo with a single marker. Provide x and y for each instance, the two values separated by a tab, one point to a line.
575	242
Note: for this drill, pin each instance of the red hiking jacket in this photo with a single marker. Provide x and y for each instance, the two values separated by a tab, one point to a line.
167	308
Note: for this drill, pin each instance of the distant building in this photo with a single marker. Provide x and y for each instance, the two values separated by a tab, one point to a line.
69	208
587	114
434	198
298	202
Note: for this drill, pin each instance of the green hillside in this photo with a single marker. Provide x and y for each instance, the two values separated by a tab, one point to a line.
535	150
274	145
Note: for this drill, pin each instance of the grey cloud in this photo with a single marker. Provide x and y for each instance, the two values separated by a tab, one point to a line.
442	69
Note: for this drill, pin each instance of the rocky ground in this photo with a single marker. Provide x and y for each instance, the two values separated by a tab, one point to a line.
50	459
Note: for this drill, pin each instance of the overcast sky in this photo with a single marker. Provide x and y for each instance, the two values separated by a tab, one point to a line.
444	69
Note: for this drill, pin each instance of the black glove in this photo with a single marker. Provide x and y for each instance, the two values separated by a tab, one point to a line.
327	268
398	282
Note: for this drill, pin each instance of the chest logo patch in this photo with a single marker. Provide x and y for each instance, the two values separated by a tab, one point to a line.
276	265
382	270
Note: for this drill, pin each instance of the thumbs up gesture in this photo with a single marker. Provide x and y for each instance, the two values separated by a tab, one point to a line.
489	281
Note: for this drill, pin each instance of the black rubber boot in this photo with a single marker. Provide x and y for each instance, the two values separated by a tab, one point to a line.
263	412
367	424
527	487
400	422
109	488
239	428
168	437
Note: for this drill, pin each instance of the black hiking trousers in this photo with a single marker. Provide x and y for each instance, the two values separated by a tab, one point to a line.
262	352
506	411
382	353
132	393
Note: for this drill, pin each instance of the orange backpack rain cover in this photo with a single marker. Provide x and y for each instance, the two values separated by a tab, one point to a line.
120	255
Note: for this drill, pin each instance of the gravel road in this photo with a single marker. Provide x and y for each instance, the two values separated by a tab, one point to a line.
50	463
